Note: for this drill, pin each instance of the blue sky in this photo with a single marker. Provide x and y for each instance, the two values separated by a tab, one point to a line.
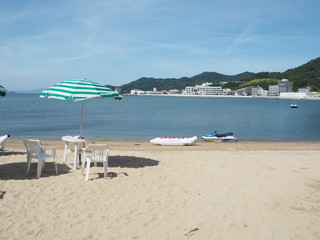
118	41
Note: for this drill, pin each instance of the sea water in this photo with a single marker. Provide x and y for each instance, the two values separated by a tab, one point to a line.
147	117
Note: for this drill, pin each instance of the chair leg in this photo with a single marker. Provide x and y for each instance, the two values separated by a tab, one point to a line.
88	169
75	157
28	163
83	164
40	164
43	164
105	169
55	165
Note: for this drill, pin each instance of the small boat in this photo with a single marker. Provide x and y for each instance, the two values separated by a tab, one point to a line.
294	105
222	137
3	140
174	141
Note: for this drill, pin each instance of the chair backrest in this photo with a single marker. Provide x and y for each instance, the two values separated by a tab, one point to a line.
33	147
97	152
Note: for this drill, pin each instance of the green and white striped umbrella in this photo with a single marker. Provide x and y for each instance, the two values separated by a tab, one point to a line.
79	90
3	91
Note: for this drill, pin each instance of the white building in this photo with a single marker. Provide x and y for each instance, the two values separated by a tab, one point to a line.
264	93
292	95
273	90
173	91
205	89
256	91
304	90
137	92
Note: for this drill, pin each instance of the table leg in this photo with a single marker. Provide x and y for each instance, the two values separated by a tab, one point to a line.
65	153
75	156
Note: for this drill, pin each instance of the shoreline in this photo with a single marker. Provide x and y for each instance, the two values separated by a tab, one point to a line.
144	145
223	96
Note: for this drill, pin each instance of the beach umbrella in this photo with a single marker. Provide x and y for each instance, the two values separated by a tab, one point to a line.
3	91
79	90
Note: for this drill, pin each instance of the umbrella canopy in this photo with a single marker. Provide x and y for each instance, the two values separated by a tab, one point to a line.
79	90
3	91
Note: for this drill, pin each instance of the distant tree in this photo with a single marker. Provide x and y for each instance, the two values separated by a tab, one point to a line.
264	83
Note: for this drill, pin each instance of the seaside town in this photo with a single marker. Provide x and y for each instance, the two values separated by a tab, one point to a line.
281	90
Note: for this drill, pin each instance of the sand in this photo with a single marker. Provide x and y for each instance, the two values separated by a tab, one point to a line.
241	190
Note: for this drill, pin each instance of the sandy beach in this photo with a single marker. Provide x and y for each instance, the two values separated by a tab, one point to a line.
223	191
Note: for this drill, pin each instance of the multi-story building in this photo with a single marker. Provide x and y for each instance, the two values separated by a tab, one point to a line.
273	90
304	90
256	91
205	89
284	86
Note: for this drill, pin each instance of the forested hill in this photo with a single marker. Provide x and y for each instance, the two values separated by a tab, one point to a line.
147	84
305	75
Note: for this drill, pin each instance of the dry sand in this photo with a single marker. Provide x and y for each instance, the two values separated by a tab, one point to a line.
226	191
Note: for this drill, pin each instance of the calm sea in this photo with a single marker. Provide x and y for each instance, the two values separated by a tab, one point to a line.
146	117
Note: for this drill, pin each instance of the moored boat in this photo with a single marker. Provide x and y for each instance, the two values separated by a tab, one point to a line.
294	105
222	137
175	141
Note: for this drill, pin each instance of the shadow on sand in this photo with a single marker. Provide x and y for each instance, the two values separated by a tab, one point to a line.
131	162
125	162
111	175
9	153
17	171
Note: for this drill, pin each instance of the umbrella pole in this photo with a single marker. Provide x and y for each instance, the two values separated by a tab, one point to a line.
81	120
81	123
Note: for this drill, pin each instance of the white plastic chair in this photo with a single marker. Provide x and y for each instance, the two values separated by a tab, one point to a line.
95	153
37	151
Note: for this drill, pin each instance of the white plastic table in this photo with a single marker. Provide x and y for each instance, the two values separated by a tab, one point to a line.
77	143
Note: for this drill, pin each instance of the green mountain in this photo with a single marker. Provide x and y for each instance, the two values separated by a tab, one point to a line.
147	84
305	75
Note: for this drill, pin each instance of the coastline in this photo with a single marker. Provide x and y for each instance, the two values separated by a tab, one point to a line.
221	96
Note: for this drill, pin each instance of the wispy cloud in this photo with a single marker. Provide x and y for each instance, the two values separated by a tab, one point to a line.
246	36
